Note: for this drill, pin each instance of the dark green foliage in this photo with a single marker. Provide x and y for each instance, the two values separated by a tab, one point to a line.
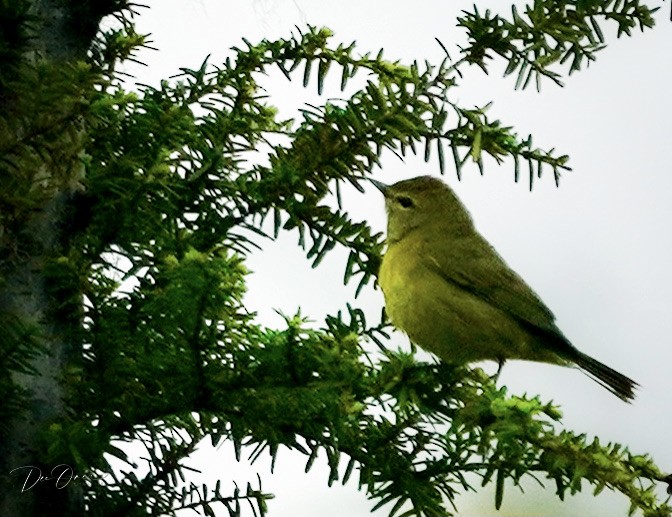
18	345
14	38
550	32
165	196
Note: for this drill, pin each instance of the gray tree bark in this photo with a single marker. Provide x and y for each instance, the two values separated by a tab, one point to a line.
62	31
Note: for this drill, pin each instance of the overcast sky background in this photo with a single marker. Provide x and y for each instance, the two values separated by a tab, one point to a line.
597	250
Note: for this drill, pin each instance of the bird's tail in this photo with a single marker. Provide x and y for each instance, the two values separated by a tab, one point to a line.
620	385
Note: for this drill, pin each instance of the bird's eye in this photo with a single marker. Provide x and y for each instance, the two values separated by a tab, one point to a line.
406	202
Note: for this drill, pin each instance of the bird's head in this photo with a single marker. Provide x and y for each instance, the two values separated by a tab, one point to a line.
422	202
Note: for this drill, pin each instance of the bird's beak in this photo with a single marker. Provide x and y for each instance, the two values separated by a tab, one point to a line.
380	186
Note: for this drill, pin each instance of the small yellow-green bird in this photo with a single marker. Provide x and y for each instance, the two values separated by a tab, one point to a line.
448	289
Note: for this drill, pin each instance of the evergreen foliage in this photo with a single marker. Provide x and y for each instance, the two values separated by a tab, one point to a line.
165	187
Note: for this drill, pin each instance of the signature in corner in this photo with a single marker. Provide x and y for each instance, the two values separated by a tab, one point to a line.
61	475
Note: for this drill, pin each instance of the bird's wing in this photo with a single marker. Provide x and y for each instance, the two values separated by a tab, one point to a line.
476	267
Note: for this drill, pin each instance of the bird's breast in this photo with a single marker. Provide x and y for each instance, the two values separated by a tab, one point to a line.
402	279
442	316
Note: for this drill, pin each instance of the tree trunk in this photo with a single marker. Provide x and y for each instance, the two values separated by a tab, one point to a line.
60	31
24	297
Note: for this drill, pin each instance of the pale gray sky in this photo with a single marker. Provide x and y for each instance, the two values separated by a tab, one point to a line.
597	250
